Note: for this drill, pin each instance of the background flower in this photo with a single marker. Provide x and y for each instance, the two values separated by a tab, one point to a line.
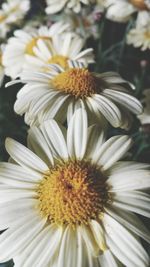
54	7
11	12
121	11
24	43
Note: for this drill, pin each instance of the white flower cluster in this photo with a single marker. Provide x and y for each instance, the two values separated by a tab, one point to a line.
69	200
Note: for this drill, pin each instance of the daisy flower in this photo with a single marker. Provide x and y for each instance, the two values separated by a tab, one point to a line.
61	48
57	93
11	12
70	202
57	5
24	43
145	116
121	10
140	37
1	65
86	22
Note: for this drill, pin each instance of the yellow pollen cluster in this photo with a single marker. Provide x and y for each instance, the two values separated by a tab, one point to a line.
72	193
77	82
139	4
33	43
147	35
2	18
60	60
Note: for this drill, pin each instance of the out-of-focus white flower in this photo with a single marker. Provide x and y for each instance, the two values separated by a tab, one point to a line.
121	10
58	5
25	43
63	47
86	23
70	201
57	93
1	65
11	12
145	116
140	36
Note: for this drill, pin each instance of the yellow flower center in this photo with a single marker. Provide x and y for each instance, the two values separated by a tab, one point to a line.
2	18
33	43
77	82
72	193
60	60
139	4
147	35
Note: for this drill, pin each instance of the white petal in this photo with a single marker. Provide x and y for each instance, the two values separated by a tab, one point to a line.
89	240
99	235
126	100
12	210
123	245
12	193
96	138
108	260
112	150
24	156
77	134
42	248
129	180
82	251
130	221
15	175
123	166
15	239
55	138
109	110
68	249
135	201
38	144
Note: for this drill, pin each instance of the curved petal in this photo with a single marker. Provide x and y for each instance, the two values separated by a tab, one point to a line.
112	150
130	221
124	245
77	134
14	175
134	201
24	156
20	234
109	110
126	100
95	140
38	144
12	210
129	180
42	248
68	249
55	138
108	260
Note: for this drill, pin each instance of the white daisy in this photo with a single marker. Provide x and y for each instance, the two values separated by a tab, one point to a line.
24	43
1	65
86	22
57	5
145	116
69	202
11	12
121	10
57	93
61	48
140	37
